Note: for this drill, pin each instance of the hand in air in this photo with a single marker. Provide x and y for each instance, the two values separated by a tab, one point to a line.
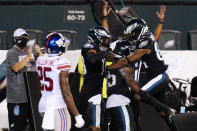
106	9
161	13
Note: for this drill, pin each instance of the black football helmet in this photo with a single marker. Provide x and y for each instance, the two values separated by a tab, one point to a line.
135	28
123	48
100	36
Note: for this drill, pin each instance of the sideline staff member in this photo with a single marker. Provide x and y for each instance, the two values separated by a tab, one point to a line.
17	60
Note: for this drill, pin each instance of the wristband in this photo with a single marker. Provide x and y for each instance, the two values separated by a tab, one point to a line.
161	22
104	17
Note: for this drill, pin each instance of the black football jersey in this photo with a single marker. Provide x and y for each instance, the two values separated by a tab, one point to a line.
136	67
92	73
153	62
96	68
116	84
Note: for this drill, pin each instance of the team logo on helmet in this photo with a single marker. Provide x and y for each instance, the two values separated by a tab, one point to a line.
55	43
135	28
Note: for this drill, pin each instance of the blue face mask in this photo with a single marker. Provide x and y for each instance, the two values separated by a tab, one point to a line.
22	42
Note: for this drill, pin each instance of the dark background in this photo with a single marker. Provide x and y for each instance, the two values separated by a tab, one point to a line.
46	15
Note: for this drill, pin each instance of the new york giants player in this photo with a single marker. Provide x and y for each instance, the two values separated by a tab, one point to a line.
53	71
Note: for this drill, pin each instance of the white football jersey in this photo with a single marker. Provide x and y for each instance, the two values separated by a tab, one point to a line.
48	69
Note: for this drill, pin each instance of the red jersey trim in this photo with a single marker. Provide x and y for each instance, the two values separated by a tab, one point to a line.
63	67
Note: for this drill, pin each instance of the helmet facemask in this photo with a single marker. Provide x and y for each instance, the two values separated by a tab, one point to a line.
64	46
104	43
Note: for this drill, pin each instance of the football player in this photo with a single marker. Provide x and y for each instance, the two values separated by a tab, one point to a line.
91	67
53	71
137	65
118	91
93	55
118	101
146	49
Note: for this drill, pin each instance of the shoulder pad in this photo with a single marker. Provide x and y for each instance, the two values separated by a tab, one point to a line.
152	37
149	35
143	43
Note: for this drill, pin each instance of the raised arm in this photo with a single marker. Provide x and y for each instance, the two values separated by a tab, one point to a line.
21	64
106	11
161	17
37	48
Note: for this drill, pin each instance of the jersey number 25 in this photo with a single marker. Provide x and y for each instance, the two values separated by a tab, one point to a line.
43	76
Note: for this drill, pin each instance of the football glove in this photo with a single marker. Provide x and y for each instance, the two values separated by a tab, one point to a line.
79	121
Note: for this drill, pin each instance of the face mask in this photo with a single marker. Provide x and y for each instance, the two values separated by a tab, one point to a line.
22	42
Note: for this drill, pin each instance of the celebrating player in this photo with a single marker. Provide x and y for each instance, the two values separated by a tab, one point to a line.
146	49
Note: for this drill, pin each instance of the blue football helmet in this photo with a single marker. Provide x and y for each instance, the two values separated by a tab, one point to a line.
100	36
135	28
55	43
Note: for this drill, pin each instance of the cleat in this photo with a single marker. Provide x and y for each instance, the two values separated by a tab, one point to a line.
169	119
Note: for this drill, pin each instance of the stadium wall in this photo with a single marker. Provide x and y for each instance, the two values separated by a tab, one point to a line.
182	64
45	17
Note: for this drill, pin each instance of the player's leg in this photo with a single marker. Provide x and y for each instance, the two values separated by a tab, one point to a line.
135	106
18	115
42	115
105	116
156	88
94	113
155	85
123	117
62	120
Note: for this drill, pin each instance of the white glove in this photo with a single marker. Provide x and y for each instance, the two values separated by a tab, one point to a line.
79	121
